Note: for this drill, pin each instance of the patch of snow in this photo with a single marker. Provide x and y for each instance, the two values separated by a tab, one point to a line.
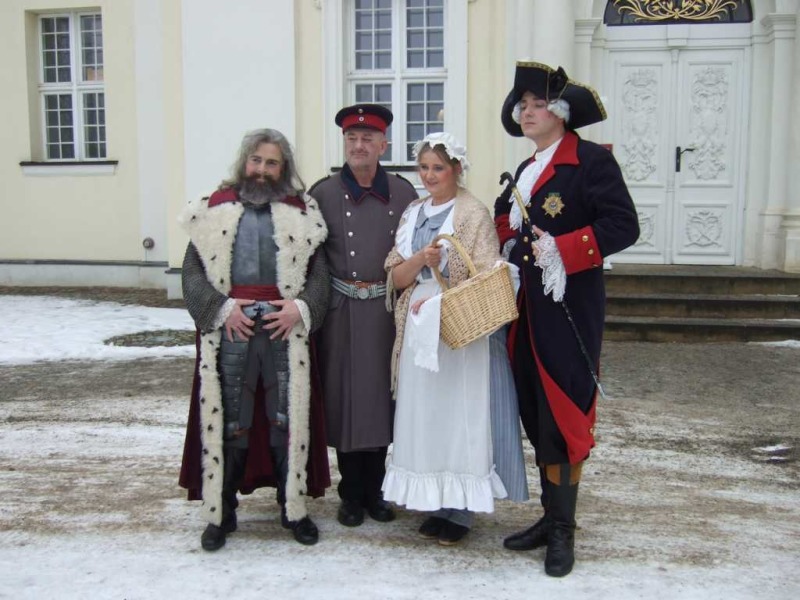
47	328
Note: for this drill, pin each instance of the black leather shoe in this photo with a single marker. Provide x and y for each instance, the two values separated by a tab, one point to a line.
213	537
431	527
380	511
305	531
351	514
452	533
560	556
533	537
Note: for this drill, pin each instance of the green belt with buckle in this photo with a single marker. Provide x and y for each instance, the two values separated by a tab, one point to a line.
359	290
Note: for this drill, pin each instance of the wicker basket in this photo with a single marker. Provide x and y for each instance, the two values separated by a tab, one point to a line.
478	305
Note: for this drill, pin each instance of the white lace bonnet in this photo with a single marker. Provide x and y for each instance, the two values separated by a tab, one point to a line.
454	149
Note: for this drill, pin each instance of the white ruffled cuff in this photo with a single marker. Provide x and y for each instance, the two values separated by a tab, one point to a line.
305	313
224	312
554	276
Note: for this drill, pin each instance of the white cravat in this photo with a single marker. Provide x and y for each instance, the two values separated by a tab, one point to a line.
530	175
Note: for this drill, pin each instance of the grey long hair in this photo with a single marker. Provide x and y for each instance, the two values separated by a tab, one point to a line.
250	143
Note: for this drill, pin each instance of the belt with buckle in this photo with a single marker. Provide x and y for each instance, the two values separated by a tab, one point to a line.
359	290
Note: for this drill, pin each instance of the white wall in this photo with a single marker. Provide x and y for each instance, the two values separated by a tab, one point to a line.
238	75
151	132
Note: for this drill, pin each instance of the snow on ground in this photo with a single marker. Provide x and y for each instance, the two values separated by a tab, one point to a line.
783	344
677	502
48	328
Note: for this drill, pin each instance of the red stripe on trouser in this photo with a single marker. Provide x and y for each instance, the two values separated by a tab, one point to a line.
574	426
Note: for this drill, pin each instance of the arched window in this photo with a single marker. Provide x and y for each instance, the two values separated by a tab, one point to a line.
669	12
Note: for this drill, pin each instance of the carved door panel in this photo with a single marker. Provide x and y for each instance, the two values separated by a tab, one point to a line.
676	124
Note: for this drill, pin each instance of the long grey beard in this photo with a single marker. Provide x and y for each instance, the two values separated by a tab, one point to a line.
257	193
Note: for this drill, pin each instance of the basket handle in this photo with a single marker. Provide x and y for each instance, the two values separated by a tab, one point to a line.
461	251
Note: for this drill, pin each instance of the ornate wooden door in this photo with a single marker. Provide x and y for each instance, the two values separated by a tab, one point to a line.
677	120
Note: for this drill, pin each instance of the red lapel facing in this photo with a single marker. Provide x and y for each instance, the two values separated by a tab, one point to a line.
222	196
295	201
566	154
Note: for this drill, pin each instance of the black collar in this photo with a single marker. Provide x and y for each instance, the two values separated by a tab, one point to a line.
379	189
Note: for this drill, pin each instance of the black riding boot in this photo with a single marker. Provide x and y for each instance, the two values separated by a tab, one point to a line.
304	530
534	536
560	556
375	470
213	537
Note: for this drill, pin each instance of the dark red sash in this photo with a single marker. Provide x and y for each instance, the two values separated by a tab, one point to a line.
263	293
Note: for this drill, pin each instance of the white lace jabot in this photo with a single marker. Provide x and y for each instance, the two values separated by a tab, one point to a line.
527	180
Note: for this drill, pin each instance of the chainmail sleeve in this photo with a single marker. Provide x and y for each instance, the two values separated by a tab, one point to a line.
317	290
202	301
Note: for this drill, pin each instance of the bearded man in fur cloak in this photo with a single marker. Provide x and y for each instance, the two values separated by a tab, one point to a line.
256	284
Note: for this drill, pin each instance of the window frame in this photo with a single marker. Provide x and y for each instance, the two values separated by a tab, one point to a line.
399	76
341	78
77	89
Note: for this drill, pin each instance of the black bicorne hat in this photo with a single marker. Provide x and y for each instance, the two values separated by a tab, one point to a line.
585	107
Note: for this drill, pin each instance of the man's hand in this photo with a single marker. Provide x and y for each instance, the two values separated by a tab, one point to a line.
283	321
535	246
237	321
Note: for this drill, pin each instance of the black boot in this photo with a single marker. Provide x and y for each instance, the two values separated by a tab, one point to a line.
304	530
280	465
560	556
353	469
534	536
374	465
213	537
531	538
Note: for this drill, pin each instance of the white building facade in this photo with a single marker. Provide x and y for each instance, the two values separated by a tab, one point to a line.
120	112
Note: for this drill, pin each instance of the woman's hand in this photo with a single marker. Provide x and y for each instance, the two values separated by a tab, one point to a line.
432	255
404	274
417	305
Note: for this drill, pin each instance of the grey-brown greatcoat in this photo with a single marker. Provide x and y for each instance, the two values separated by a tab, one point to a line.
355	341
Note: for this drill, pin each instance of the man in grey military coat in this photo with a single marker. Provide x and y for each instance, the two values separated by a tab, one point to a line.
362	205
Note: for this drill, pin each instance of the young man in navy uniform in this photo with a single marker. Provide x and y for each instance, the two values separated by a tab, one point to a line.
577	211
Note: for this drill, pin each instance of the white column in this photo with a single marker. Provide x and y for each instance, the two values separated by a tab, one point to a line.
519	33
781	27
791	218
150	124
553	33
541	31
584	35
583	68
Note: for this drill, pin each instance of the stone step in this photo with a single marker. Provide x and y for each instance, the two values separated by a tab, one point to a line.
666	329
719	306
698	303
680	279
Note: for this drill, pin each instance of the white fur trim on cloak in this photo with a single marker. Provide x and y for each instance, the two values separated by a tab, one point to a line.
298	233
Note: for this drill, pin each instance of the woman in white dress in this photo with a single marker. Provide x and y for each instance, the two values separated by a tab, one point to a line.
442	459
